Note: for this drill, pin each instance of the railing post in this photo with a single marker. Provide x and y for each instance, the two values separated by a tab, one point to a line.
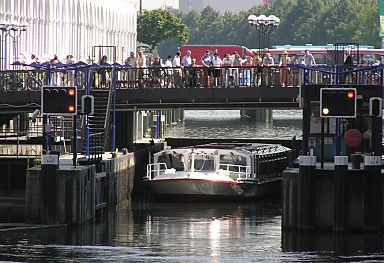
114	111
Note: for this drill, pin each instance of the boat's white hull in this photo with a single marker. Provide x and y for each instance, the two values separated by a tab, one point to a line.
206	188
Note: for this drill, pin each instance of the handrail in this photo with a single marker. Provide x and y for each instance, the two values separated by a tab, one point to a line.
107	116
155	168
37	157
238	172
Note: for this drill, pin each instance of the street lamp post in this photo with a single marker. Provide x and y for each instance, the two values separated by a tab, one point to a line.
13	30
264	26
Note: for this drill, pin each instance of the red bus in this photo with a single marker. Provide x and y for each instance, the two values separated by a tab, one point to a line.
199	50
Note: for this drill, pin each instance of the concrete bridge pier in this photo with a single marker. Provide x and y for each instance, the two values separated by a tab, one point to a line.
336	198
259	115
126	131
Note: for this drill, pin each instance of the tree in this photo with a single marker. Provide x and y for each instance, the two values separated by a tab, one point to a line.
155	26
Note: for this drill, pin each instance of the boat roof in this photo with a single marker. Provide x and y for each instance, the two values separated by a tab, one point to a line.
251	147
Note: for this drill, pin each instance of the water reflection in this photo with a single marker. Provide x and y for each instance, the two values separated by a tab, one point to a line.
198	232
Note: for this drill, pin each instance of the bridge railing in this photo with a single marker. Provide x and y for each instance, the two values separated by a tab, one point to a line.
189	77
344	74
203	77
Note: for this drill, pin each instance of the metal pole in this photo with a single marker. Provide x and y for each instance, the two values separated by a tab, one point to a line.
158	126
46	121
2	50
5	51
87	92
114	112
74	159
46	133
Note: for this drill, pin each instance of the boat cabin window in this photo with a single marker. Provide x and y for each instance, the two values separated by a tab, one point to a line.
204	162
233	161
172	161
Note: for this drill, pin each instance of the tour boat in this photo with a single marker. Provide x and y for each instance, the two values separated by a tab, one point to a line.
229	170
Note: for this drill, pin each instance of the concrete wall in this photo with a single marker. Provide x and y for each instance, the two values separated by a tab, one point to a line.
70	195
124	170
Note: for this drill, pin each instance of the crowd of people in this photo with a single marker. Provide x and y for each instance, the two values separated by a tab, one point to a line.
209	70
212	70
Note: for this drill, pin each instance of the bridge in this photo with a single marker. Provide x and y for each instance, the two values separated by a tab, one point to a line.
240	88
122	92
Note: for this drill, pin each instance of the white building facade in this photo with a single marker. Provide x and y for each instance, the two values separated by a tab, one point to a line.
65	27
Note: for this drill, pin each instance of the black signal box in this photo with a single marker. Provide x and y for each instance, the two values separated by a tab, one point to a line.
338	102
59	100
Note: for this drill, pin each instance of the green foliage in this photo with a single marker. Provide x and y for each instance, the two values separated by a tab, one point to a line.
302	21
155	26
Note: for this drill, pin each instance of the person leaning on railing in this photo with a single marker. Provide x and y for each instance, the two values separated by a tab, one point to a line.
284	70
176	64
141	64
168	81
131	60
227	74
156	73
206	62
246	77
216	64
258	64
186	63
193	74
268	62
237	62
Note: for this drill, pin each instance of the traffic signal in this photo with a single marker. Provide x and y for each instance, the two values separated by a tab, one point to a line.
87	104
338	102
376	106
56	100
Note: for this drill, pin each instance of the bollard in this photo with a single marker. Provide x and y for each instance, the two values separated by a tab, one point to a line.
340	193
373	194
356	159
306	192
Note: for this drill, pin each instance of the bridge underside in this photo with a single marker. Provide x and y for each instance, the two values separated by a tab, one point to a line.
176	98
207	98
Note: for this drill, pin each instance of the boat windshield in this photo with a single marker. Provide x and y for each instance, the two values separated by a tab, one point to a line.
204	162
172	161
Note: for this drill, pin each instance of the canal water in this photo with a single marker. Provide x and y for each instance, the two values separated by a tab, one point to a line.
196	232
228	124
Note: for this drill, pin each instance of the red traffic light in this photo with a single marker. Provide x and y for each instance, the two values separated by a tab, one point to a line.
71	92
350	94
